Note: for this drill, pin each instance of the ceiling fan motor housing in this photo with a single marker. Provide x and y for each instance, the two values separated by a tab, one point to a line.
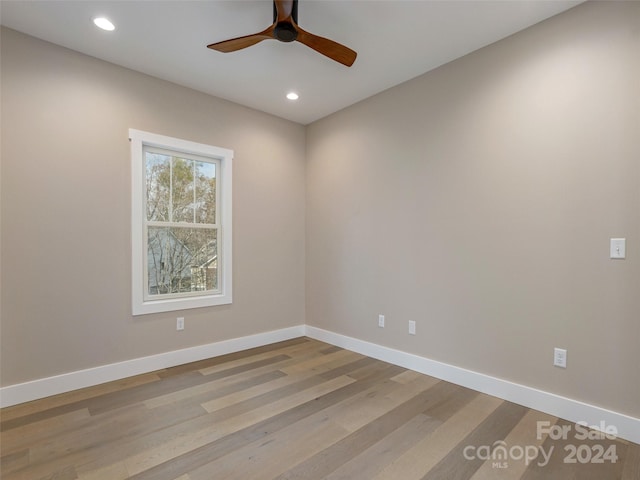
285	32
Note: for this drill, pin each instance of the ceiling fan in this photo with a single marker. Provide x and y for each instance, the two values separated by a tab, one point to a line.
285	28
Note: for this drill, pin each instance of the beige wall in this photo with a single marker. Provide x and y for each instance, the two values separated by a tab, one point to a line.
479	199
66	288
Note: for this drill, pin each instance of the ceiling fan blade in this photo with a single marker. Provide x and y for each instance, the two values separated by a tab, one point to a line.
239	43
328	48
284	9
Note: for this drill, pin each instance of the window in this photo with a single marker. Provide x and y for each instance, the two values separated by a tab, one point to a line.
181	224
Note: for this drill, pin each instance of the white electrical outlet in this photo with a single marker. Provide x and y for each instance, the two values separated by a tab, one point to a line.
381	321
180	323
412	327
560	357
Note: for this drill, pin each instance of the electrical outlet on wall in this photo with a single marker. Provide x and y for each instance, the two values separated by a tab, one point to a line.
180	323
412	327
560	357
381	321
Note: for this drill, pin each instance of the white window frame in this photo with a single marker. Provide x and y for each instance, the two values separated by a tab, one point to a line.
141	302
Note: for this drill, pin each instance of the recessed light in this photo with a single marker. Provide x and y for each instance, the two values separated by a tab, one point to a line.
104	23
292	96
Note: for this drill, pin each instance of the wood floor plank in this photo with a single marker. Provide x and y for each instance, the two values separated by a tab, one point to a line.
417	461
408	376
322	363
230	357
368	373
30	408
270	456
295	381
172	385
298	383
99	438
117	471
299	409
258	390
359	369
523	435
28	434
100	442
559	468
112	400
455	466
371	427
68	473
366	431
216	388
178	446
236	381
299	350
14	461
377	401
631	469
241	408
330	349
372	460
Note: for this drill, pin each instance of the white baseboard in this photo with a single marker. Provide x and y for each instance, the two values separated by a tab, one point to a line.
45	387
556	405
569	409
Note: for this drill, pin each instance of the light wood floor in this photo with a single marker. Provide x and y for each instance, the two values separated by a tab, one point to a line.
299	409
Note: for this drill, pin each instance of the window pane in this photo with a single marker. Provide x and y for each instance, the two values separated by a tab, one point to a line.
182	187
205	206
158	184
182	260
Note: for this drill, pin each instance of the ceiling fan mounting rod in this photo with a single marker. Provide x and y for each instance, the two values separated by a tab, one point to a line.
294	12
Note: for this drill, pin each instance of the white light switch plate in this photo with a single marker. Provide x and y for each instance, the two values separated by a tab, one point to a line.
618	248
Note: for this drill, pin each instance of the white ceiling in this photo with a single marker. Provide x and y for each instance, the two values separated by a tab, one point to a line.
396	40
